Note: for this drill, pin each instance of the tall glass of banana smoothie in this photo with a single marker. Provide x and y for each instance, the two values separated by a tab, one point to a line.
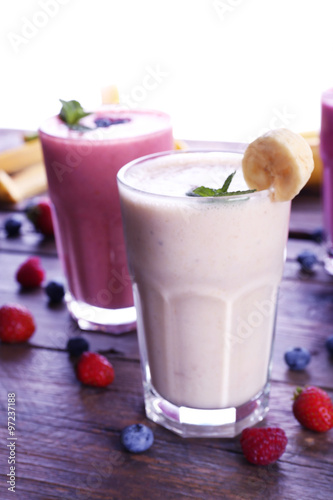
206	265
82	160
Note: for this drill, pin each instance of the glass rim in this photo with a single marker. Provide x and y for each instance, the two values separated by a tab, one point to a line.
228	147
79	136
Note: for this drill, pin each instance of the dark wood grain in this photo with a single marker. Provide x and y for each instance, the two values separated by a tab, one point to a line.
68	443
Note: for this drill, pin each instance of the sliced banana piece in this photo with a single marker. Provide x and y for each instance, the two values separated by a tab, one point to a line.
281	160
28	182
110	95
28	153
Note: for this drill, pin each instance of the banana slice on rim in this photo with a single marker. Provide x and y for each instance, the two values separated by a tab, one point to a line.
279	159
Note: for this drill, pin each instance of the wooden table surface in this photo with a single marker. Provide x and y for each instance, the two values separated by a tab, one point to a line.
67	444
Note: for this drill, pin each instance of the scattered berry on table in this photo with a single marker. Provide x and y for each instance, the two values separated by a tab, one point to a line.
13	226
77	345
307	260
39	213
16	323
313	409
30	274
94	369
55	291
297	358
137	438
263	446
318	235
329	344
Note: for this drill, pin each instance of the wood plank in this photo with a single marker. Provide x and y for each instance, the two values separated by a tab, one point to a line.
65	448
68	443
54	325
304	301
29	240
306	213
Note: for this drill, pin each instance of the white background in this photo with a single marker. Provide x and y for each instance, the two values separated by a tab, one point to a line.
223	69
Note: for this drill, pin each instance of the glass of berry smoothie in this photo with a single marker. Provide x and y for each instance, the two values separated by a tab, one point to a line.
82	160
206	272
326	152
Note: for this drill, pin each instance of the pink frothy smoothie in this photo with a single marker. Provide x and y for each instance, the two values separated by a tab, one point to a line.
81	170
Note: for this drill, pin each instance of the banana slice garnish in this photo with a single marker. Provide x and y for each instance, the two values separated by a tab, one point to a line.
281	160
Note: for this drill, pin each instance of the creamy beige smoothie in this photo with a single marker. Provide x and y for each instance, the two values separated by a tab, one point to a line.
205	276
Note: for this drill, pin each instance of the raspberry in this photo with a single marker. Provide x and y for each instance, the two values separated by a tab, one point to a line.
39	213
16	323
30	274
263	446
94	369
313	409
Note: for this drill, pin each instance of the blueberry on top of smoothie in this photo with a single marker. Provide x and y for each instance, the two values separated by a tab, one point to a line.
106	121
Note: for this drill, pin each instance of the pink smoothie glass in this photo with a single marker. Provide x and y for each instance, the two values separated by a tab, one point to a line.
81	169
326	153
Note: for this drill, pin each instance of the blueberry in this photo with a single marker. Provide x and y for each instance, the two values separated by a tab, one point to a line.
318	235
307	260
329	344
297	358
117	121
103	122
77	345
13	226
55	291
137	438
106	121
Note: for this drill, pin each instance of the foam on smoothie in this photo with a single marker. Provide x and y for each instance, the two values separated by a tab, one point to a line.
139	124
167	175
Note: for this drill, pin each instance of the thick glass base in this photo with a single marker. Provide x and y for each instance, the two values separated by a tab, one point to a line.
99	319
193	422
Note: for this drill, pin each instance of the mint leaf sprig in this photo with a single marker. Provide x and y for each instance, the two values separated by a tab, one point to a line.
223	191
71	113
